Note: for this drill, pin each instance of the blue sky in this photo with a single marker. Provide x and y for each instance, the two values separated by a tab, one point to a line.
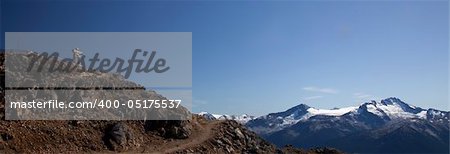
261	57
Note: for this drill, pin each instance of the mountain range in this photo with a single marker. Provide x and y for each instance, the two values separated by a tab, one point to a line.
239	118
386	126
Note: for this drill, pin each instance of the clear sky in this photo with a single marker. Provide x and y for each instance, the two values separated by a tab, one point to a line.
262	57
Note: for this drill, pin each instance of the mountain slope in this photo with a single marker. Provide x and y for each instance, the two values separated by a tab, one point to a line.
170	136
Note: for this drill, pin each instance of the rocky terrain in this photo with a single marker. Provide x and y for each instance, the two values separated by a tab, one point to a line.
92	85
195	135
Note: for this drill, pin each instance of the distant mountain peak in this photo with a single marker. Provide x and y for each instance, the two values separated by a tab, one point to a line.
392	100
299	107
241	119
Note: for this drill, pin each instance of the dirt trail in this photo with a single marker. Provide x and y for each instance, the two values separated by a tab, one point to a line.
199	135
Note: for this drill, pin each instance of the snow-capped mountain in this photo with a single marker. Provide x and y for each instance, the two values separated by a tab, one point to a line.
370	126
387	109
239	118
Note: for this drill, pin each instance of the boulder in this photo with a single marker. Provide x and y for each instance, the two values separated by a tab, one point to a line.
175	129
119	137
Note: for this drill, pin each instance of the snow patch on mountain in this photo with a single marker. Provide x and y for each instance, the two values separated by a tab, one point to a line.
239	118
395	111
332	112
422	114
394	108
373	109
294	118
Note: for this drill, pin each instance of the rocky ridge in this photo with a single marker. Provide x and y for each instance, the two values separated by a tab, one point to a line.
196	135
